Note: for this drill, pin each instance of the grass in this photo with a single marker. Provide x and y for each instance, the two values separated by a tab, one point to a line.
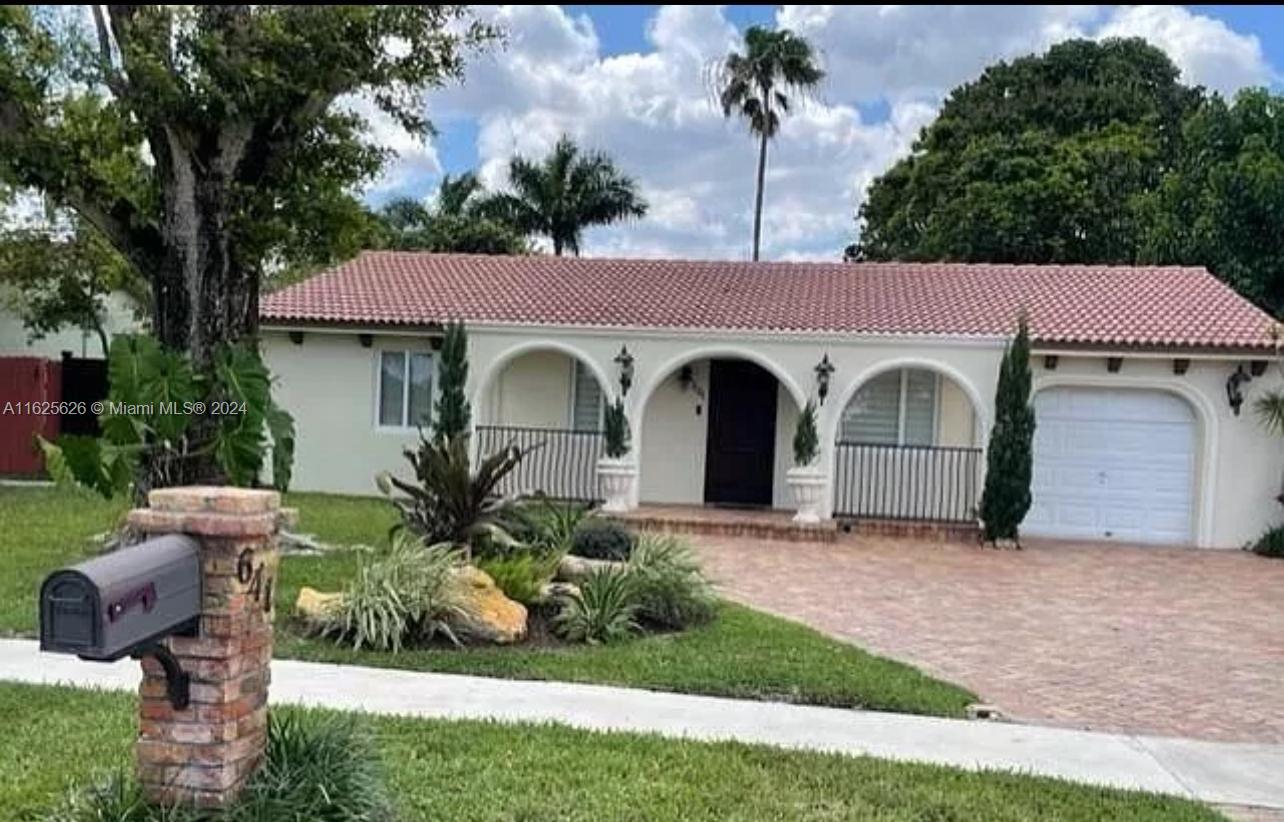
743	654
486	771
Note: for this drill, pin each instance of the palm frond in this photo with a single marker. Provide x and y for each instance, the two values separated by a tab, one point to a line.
1270	411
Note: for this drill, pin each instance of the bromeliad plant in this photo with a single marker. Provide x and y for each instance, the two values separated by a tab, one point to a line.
449	502
163	415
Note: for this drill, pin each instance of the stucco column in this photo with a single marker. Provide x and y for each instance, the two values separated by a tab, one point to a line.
203	754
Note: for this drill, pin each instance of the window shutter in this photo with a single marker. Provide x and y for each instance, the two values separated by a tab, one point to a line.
419	410
920	408
873	415
586	415
392	386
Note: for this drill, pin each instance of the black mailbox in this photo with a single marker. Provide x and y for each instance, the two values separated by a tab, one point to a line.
123	602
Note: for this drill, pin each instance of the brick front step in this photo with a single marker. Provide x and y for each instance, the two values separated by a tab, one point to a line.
967	532
723	522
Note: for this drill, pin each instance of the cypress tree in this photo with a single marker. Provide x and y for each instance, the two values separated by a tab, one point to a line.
1010	457
452	415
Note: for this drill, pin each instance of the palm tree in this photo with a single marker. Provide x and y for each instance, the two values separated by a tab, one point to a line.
563	194
756	86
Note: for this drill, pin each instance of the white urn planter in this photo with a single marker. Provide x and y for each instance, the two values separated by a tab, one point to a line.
617	478
807	483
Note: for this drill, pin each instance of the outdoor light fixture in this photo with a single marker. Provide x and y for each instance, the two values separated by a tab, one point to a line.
824	370
1234	395
625	361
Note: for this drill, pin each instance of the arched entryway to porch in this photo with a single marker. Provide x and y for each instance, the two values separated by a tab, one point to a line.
549	399
715	429
909	446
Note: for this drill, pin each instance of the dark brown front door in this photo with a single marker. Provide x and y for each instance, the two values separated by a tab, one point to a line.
741	453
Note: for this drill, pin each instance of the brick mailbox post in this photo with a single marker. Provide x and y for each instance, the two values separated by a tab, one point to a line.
202	754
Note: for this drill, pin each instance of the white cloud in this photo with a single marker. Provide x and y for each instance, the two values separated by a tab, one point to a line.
1207	51
653	113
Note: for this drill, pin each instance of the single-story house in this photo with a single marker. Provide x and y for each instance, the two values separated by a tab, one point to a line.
1144	381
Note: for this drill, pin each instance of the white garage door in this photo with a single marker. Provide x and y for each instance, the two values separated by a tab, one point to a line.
1113	464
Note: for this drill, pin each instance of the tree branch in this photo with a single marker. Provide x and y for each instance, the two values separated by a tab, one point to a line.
114	79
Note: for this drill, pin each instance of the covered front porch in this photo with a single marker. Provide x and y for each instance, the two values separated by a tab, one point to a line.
712	432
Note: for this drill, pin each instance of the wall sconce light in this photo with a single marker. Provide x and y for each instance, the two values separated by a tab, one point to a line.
687	381
824	370
1234	395
625	361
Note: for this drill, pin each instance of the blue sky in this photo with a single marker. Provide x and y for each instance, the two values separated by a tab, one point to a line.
629	80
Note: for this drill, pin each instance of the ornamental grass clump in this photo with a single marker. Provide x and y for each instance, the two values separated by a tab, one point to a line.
603	610
404	594
671	591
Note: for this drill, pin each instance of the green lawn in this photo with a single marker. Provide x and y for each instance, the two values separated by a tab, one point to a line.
744	654
487	771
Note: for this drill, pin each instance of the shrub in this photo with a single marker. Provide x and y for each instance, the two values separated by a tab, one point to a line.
602	539
615	430
448	501
319	766
604	610
1009	458
521	575
806	441
548	526
401	594
1270	544
671	590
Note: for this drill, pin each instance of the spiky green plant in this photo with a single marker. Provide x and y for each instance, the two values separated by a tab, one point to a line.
521	575
604	610
404	593
671	590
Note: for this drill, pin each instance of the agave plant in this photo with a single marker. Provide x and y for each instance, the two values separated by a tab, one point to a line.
451	503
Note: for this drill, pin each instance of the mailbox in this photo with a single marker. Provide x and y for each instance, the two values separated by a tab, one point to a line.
123	602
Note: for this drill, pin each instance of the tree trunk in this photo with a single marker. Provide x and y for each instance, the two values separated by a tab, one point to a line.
202	296
557	246
757	205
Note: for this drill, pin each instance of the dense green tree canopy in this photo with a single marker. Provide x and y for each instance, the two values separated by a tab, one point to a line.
1095	153
453	224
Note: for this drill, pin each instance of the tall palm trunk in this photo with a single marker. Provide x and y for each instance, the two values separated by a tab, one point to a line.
757	205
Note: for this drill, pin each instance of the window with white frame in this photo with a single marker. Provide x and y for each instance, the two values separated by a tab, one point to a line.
404	393
894	408
586	399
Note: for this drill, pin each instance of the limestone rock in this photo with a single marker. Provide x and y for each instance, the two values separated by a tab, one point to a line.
574	569
553	591
313	604
486	615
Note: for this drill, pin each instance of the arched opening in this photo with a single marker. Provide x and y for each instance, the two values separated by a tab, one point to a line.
908	447
716	429
551	401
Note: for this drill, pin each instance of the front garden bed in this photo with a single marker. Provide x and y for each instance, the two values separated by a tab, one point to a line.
56	737
743	653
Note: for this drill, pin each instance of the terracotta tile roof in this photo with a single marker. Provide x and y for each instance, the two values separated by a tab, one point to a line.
1071	304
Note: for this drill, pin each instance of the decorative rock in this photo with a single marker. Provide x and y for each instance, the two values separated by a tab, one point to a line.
978	710
313	604
486	614
553	591
574	569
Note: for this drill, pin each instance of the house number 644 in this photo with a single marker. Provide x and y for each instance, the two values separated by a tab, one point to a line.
255	575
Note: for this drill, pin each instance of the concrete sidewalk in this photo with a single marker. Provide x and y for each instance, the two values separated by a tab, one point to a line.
1213	772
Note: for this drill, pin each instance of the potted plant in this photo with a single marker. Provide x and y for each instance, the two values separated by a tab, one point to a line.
806	479
617	473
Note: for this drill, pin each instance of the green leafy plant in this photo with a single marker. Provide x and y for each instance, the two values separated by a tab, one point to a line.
155	425
604	610
321	767
1270	411
615	430
404	594
806	441
597	538
1270	544
448	502
453	414
521	575
671	590
548	526
1010	456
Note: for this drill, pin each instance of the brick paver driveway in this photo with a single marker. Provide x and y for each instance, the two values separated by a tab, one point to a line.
1155	640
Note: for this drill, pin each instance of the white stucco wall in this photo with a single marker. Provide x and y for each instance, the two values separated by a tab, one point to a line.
328	383
14	337
533	390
